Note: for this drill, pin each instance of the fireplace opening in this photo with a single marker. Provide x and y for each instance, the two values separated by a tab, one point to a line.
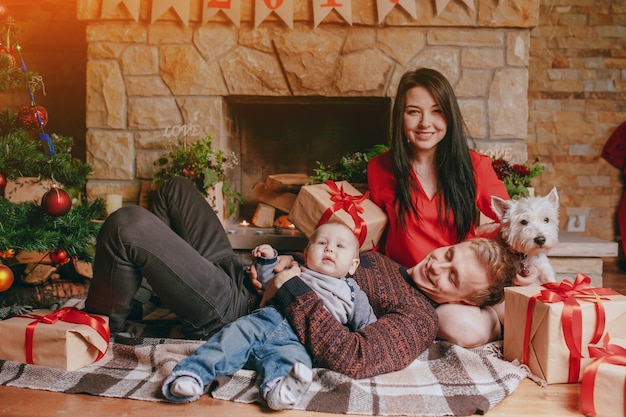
279	135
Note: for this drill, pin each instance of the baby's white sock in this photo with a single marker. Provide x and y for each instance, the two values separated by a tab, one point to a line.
288	391
185	386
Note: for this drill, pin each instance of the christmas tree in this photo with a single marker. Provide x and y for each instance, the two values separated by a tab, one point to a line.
63	220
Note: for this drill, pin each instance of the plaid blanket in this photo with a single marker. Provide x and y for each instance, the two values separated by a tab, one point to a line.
444	380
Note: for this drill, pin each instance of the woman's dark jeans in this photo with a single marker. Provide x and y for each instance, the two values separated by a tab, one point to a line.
181	250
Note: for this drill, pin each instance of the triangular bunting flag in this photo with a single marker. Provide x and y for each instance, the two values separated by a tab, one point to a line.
442	4
181	7
283	8
321	8
231	8
385	6
131	5
470	4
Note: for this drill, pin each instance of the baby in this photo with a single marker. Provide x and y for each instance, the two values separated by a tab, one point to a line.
264	340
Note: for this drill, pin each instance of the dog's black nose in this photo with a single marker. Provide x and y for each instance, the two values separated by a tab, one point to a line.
540	240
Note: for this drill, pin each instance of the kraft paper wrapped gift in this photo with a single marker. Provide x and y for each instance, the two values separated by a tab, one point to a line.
338	202
603	386
66	339
548	354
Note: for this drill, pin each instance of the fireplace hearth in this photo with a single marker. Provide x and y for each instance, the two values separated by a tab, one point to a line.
291	135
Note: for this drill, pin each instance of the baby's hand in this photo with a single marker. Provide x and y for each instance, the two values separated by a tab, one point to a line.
265	251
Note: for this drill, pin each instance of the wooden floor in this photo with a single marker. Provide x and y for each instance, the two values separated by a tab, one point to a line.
528	400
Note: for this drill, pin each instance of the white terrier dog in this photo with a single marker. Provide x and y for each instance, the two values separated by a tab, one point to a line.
529	227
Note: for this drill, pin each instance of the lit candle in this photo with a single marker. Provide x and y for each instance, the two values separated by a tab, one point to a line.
292	226
244	224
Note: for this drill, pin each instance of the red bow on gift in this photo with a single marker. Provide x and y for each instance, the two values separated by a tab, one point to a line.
68	315
351	204
571	318
609	354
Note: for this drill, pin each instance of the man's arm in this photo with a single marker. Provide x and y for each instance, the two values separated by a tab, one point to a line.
406	326
469	326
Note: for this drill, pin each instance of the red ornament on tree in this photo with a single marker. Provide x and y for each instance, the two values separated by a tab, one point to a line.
59	256
3	184
6	278
31	116
56	202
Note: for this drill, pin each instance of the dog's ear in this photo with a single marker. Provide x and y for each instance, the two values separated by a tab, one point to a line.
553	197
499	206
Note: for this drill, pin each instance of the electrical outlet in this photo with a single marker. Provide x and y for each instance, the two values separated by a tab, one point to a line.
576	223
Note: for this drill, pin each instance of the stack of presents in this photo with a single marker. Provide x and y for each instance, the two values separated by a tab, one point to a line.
564	332
570	332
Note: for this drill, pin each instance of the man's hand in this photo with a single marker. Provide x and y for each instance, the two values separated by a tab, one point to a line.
274	284
284	261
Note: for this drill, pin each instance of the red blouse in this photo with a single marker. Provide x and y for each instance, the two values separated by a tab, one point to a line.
410	245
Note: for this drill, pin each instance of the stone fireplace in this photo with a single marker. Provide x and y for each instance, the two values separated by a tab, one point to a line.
283	98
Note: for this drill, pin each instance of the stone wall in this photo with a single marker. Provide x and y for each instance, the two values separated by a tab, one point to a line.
577	97
143	77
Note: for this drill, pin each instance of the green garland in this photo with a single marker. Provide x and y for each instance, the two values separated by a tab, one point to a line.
351	167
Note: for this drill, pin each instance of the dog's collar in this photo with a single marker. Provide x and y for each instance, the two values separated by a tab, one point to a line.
523	271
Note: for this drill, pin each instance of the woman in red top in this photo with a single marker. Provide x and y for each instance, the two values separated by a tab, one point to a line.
430	183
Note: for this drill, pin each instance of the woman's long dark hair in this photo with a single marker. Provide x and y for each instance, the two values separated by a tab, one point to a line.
455	173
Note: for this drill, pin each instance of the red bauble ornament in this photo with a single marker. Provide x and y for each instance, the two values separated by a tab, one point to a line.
59	256
3	184
56	202
6	278
27	116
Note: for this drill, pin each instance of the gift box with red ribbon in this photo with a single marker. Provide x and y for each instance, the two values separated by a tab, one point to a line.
66	338
603	387
549	327
339	202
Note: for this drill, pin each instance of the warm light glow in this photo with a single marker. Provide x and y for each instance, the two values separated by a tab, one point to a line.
291	226
244	224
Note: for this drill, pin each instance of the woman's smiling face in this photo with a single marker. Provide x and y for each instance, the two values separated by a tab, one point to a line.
424	125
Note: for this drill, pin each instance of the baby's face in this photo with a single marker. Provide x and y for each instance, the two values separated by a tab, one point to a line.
332	251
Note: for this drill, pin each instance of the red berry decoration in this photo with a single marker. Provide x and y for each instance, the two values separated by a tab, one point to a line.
30	116
6	278
59	256
56	202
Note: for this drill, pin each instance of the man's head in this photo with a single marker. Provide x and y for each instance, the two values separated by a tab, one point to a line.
472	272
332	250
